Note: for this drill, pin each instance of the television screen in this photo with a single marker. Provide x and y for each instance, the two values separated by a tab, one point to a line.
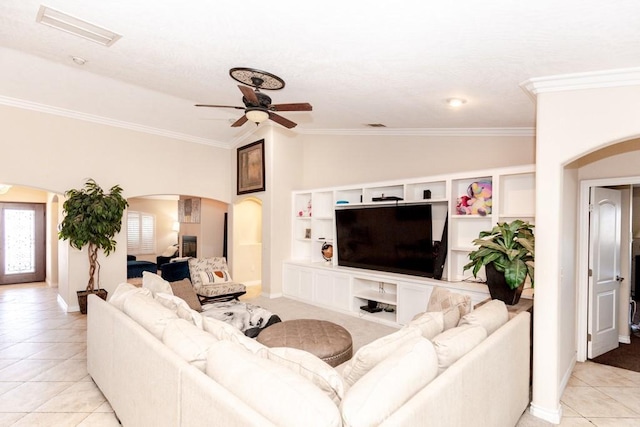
388	238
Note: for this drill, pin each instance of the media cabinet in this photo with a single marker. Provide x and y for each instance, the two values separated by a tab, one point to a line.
308	277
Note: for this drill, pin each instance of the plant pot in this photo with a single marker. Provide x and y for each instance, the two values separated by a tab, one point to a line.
82	298
498	287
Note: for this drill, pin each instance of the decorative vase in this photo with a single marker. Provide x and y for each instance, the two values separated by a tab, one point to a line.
498	288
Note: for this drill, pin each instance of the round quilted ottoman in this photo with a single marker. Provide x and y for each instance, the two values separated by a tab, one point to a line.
330	342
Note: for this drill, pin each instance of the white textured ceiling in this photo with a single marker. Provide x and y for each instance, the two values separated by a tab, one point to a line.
356	62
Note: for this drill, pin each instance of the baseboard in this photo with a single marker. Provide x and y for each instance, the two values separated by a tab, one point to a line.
553	417
66	307
253	283
624	339
271	296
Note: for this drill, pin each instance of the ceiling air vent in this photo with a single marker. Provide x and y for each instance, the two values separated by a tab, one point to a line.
376	125
78	27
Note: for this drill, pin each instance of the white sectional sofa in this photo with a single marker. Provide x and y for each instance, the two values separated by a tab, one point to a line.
163	367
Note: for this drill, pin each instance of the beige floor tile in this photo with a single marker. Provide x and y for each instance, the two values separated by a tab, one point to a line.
598	375
9	418
51	419
61	351
6	362
615	422
101	419
5	386
23	350
65	370
574	422
568	412
628	396
575	382
30	395
60	335
25	370
590	402
80	397
105	407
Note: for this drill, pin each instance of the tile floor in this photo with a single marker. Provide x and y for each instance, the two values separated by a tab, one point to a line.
44	381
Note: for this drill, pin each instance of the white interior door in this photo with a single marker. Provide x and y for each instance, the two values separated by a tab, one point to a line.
604	264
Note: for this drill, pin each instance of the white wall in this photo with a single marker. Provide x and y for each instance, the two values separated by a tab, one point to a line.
571	124
57	153
335	160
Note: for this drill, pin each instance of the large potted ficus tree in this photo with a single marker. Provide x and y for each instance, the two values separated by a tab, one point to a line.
507	254
92	218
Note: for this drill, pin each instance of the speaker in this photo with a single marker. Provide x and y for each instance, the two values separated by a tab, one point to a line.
426	194
441	255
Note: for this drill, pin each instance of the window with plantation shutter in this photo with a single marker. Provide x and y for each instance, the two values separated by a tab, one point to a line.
141	233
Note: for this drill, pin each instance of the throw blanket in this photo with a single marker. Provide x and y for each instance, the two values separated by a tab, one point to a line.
248	318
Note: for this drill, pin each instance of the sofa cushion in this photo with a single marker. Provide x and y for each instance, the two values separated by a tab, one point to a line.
311	367
155	283
225	332
454	343
280	395
491	316
123	291
184	289
181	308
429	323
170	251
149	313
188	341
373	353
390	384
444	300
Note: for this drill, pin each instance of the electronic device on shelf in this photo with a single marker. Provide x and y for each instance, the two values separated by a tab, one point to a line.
371	307
387	199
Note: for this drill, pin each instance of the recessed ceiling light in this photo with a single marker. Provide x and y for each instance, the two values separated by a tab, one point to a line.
376	125
456	102
78	60
72	25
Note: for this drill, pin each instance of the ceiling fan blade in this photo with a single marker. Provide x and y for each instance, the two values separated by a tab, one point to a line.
302	106
281	120
242	120
249	94
220	106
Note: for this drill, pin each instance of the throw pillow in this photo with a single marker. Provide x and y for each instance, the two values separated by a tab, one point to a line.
491	316
184	289
155	283
225	332
181	308
283	397
170	251
123	291
310	367
215	276
188	342
454	343
390	384
148	313
429	323
373	353
444	300
197	265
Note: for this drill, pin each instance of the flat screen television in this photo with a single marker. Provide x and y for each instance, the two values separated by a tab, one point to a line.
394	238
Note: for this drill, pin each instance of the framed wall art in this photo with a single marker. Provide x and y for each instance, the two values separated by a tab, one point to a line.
189	210
251	168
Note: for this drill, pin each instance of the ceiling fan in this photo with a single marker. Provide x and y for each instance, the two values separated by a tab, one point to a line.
257	106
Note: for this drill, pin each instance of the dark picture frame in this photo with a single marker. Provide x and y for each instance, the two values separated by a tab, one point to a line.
251	174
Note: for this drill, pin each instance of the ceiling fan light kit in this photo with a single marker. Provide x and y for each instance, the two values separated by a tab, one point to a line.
257	106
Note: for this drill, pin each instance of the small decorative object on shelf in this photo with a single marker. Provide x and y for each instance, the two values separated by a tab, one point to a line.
327	251
477	201
306	211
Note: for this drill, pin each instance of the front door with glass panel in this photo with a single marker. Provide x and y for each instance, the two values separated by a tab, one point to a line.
22	243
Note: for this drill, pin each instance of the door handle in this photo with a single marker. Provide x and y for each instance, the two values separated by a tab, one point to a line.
619	279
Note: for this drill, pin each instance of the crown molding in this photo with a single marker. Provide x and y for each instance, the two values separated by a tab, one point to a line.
28	105
580	81
524	131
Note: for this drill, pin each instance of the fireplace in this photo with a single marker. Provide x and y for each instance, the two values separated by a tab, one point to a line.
190	246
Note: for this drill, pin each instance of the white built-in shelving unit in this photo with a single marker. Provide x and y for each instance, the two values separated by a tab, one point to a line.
308	277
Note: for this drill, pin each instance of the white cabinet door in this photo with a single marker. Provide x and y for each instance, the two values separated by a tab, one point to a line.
331	289
298	282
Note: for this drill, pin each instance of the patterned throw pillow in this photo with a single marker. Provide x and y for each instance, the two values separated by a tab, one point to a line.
452	304
215	276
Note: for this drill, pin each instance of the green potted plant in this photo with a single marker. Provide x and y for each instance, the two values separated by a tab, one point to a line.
92	218
507	253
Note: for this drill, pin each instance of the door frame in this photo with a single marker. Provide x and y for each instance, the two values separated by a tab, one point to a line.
582	274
